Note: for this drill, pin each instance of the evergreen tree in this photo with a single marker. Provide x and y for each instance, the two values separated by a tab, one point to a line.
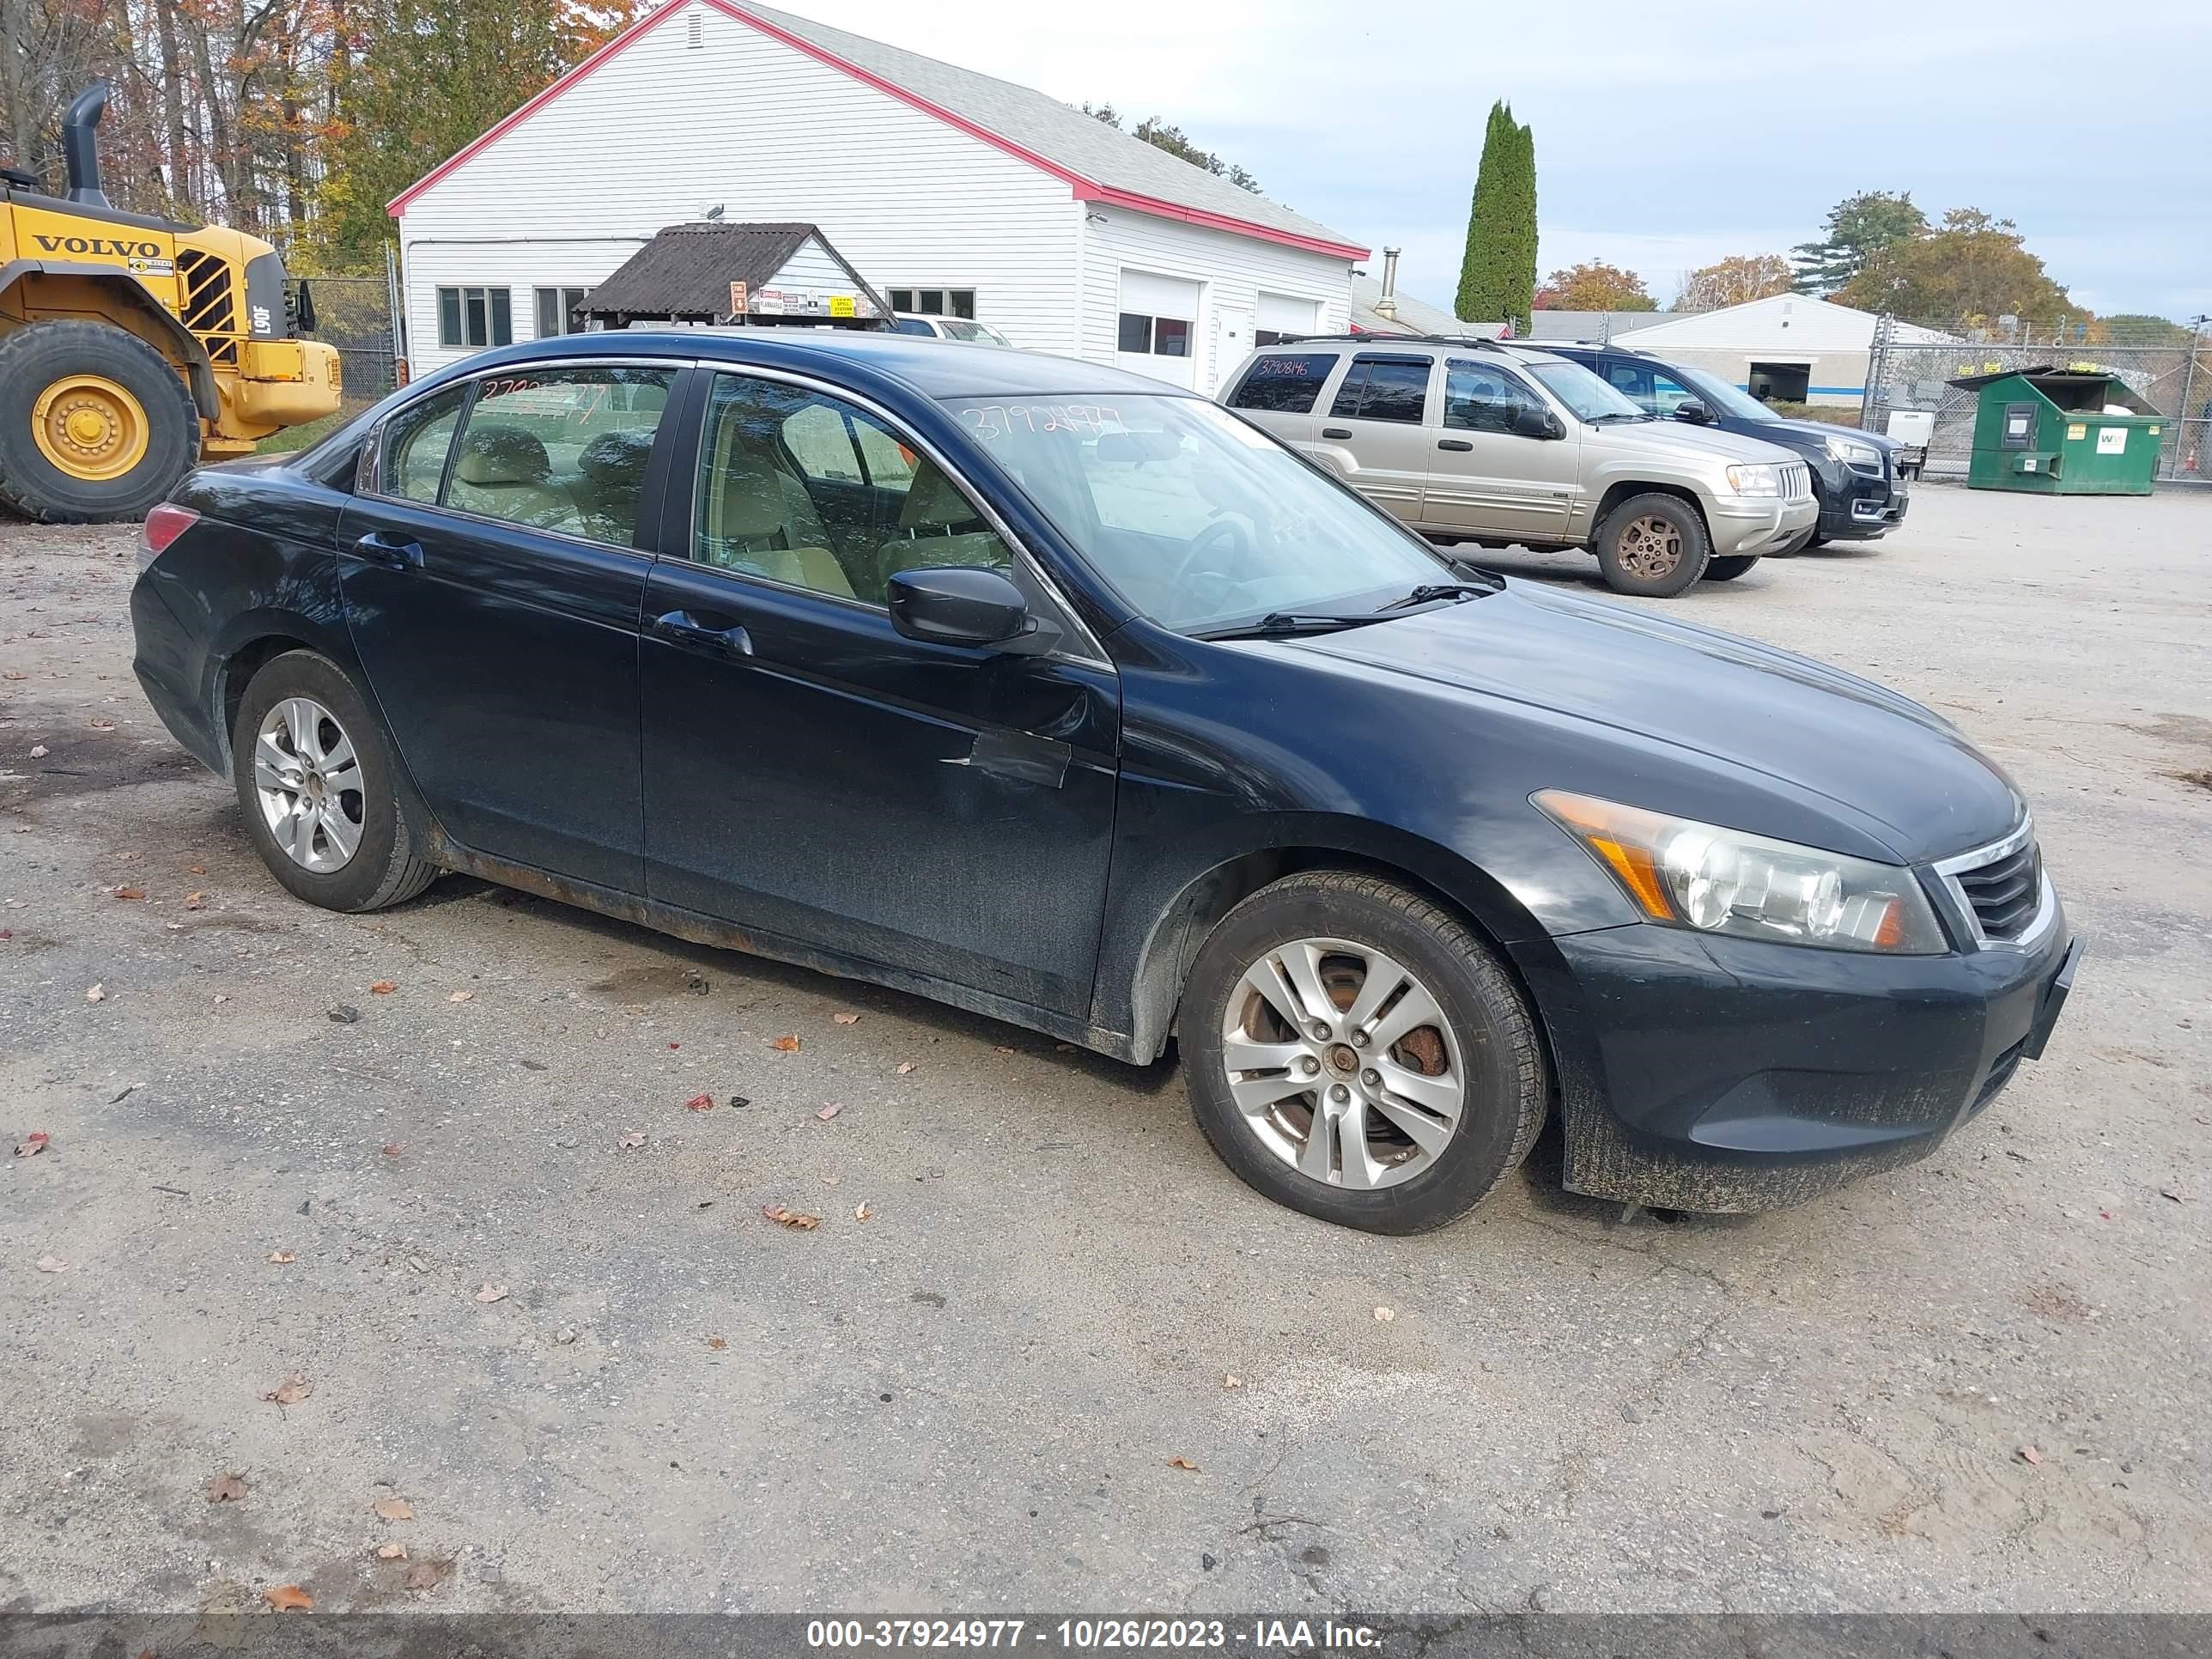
1498	275
1859	228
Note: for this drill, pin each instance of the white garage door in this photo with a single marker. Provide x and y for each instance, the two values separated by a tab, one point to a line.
1157	333
1280	314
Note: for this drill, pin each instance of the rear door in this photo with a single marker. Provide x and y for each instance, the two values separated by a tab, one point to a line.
1485	477
1373	433
491	582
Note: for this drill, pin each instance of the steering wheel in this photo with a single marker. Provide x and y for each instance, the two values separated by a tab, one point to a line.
1222	531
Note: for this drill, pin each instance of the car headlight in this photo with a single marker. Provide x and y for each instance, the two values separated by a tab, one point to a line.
1754	480
1685	874
1852	452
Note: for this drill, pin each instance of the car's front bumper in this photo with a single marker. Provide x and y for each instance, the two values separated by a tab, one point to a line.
1854	507
1713	1074
1758	524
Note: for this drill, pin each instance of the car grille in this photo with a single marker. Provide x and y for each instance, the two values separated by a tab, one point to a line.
1796	481
2006	892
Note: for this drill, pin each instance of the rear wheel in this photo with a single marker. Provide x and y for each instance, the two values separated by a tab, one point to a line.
1652	545
1728	569
1354	1051
95	423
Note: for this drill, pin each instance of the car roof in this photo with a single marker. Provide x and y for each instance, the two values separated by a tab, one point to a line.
917	362
1400	344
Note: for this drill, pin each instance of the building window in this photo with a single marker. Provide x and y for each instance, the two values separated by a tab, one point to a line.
472	318
556	312
935	302
1156	337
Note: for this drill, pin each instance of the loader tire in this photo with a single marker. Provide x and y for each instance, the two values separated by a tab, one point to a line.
95	423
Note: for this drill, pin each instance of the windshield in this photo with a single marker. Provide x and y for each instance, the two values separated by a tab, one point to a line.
960	329
1197	519
1589	397
1722	397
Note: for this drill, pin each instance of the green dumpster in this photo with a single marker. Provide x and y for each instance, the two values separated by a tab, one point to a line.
2072	431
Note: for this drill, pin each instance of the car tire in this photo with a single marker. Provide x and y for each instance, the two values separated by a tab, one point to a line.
1816	540
1338	931
1728	569
1653	545
305	738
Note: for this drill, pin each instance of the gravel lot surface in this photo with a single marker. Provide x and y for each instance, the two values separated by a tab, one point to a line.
531	1298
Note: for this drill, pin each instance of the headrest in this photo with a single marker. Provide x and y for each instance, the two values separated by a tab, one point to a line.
616	460
934	502
501	455
752	497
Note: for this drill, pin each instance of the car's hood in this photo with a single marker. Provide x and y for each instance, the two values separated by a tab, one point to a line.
1901	773
1690	443
1821	430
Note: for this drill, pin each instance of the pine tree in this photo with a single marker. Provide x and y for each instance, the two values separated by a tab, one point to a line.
1498	277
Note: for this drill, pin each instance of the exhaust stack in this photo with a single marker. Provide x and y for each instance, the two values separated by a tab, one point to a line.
1387	305
81	149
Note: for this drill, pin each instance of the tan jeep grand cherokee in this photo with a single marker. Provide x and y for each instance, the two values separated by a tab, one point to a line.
1500	444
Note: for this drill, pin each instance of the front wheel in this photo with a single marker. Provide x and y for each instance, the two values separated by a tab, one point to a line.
95	423
1354	1051
1654	546
1728	569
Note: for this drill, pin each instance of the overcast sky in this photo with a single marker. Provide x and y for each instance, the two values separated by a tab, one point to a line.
1668	134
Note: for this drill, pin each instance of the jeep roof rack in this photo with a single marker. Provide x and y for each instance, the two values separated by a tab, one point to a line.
1387	340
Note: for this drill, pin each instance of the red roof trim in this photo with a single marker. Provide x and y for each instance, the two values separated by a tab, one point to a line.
1084	189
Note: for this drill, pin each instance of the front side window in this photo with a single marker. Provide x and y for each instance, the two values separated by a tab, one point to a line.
1483	397
1384	389
800	488
1589	397
471	318
1286	385
1194	518
416	443
561	449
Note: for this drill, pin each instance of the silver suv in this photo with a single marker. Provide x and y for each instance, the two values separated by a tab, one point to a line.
1499	444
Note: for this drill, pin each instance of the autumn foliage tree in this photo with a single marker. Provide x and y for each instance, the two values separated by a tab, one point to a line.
1974	269
1737	280
1593	285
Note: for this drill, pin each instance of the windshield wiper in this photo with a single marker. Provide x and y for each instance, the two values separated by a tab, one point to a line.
1285	624
1428	592
1620	415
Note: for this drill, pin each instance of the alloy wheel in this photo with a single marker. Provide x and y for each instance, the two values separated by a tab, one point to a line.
1650	547
1342	1064
308	782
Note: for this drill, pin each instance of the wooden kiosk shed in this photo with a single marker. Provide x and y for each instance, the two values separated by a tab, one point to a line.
712	273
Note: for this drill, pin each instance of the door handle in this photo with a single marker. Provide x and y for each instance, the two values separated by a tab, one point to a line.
1454	443
682	628
1336	432
392	552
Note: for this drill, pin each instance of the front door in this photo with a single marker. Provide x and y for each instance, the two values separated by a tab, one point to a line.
491	587
1486	476
811	773
1232	341
1371	434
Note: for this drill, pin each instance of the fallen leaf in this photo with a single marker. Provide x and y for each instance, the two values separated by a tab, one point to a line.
282	1258
7	933
391	1551
38	752
1001	1049
226	1489
830	1180
1231	1380
382	988
196	870
52	1264
629	1143
33	1144
861	1212
718	1343
97	994
101	724
290	1391
130	892
344	1014
392	1149
2029	1456
797	1220
194	901
2168	1193
906	1066
1384	1315
428	1575
830	1111
785	1045
699	1103
842	1019
1182	1463
14	674
461	996
289	1598
491	1293
393	1509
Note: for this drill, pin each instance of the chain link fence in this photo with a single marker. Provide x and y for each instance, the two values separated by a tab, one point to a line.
354	314
2174	380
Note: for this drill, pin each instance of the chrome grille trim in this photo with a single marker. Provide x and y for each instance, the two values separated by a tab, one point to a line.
1955	872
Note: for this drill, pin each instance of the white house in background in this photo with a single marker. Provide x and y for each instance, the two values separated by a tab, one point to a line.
1789	348
950	191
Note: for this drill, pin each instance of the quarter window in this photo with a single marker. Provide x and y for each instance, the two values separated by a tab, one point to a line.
1384	389
1284	385
1479	398
470	319
562	449
416	442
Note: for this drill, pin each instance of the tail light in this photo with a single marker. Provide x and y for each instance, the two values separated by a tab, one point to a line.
164	524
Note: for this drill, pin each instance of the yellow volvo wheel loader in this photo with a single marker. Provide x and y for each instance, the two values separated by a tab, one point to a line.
131	348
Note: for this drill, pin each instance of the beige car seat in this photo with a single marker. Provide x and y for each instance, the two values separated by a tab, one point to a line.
503	472
759	517
934	533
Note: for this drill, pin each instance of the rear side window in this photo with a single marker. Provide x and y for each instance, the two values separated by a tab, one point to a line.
561	449
416	441
1284	385
1384	389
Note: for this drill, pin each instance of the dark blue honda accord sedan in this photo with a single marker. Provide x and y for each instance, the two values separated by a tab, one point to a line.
1054	694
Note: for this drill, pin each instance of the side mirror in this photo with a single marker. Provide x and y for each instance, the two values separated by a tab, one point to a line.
1531	420
1691	410
957	604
